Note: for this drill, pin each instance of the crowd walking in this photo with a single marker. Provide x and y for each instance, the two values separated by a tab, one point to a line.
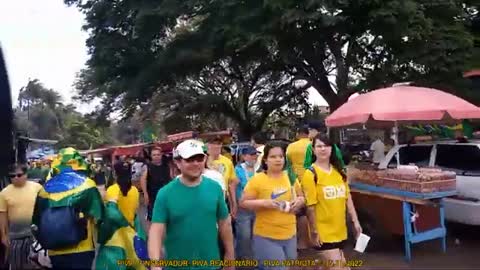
201	208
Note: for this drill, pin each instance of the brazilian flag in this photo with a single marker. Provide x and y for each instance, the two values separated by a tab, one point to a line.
121	247
417	130
68	159
70	188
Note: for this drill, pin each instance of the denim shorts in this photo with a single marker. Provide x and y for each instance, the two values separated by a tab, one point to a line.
267	249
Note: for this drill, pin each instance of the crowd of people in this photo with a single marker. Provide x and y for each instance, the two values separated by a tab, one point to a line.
201	207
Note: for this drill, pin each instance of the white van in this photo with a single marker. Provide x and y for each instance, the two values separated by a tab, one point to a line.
463	158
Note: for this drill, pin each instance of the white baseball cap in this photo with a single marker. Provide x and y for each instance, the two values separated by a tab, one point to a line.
188	149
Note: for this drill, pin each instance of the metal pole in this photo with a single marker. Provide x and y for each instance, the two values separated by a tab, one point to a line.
395	139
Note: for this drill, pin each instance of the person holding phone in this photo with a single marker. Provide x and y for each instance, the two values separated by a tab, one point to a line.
274	199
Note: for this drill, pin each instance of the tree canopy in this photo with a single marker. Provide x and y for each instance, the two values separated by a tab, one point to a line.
42	114
140	48
249	94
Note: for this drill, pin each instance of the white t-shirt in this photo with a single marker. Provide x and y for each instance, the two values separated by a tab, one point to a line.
138	168
216	176
378	148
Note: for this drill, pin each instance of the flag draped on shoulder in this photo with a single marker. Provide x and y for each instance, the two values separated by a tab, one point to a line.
69	197
119	242
68	206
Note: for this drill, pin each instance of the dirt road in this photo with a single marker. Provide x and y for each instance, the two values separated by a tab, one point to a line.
463	252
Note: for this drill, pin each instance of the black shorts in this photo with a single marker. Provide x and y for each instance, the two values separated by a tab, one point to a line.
330	246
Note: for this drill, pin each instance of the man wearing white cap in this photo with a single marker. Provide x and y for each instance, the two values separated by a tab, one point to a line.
187	211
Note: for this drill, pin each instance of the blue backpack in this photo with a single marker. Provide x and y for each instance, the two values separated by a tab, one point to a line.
61	227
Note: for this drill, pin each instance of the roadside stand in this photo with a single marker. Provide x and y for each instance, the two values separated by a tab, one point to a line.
403	199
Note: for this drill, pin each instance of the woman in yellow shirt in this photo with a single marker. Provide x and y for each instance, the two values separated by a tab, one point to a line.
274	199
328	200
126	196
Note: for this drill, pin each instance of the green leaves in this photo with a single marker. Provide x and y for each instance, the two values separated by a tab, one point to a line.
42	114
139	48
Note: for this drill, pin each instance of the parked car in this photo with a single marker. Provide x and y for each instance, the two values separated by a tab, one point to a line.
462	158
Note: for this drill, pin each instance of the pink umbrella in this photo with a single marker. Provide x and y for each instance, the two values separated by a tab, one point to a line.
402	104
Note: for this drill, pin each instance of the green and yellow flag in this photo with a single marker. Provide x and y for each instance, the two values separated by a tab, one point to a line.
120	245
68	186
68	159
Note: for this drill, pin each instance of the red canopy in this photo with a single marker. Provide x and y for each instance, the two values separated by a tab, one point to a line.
129	150
402	104
180	136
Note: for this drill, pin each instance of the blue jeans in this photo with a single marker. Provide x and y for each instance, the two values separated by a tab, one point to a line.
243	234
272	250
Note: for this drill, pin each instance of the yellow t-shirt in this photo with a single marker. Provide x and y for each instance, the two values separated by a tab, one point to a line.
296	152
224	166
272	223
329	196
128	205
19	202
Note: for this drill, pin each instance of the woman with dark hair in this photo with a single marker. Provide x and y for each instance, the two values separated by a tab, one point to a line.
328	200
274	199
126	196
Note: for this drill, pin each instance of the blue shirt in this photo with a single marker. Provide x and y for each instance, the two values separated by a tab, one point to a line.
243	177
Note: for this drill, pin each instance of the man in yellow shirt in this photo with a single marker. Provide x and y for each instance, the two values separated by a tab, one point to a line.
297	150
296	153
17	201
216	161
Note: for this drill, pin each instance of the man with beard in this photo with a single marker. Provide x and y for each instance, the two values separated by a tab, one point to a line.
153	179
190	213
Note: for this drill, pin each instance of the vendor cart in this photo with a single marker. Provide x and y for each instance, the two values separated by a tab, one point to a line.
418	216
421	218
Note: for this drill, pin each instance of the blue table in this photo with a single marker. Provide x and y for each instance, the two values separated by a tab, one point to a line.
409	200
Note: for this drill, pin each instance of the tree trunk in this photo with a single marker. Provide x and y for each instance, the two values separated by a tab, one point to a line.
334	103
246	131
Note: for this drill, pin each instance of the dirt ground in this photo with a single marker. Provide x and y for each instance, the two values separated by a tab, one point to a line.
463	250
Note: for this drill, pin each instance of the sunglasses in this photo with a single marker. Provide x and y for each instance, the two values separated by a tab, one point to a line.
13	175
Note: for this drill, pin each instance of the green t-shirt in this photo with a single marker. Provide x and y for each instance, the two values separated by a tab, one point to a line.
191	215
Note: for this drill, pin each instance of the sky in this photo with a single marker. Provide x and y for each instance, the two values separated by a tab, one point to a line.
43	39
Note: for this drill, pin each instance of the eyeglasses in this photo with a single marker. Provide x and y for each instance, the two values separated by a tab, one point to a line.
13	175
